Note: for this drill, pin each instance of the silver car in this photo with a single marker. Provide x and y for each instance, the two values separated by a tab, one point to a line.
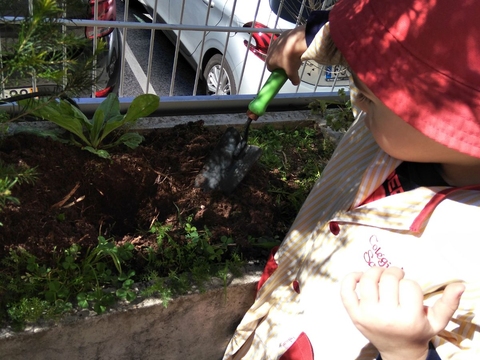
234	63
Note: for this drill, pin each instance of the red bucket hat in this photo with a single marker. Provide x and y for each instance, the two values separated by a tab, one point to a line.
421	58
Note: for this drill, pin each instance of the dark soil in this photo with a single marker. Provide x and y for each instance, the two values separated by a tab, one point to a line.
78	196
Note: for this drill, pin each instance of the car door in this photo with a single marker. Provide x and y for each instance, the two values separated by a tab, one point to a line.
162	9
195	12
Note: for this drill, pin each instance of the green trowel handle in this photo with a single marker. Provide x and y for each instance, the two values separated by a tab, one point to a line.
258	106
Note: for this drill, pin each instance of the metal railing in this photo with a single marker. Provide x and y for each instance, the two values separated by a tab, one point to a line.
197	103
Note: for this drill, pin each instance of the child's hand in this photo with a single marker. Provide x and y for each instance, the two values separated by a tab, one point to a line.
389	311
286	51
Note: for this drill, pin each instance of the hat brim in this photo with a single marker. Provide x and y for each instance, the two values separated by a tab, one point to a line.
383	52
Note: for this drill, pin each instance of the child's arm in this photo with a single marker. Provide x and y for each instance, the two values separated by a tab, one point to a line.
388	310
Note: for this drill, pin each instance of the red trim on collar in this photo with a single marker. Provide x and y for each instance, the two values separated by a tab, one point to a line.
432	204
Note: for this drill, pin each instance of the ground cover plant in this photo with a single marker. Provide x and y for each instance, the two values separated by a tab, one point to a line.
86	230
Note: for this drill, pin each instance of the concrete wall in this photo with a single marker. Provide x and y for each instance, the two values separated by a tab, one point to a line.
196	326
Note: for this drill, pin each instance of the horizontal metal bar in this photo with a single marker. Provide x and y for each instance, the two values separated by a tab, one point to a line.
202	105
143	26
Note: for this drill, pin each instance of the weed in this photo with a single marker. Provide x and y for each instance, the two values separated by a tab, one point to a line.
328	146
73	277
31	310
9	177
338	115
287	151
30	290
196	255
182	260
157	287
262	242
97	297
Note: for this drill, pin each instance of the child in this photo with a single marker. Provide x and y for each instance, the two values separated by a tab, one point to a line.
399	197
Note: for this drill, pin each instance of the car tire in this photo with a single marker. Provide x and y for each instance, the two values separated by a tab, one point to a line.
216	83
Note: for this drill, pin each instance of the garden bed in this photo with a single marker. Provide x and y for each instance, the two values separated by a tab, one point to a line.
143	203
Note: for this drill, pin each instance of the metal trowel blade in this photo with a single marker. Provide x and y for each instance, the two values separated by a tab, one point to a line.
228	164
239	168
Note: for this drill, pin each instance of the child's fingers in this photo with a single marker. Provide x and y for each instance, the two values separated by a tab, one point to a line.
293	76
389	285
443	309
375	285
285	52
348	293
411	298
368	289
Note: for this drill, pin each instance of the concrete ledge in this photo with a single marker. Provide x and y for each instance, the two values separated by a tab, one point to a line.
196	326
277	119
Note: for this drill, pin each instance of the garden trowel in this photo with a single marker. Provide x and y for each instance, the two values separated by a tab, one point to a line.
232	158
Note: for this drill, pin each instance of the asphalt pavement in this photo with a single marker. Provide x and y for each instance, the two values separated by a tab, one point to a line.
137	52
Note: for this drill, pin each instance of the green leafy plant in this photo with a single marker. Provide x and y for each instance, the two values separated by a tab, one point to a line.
91	134
30	290
9	177
100	299
126	292
6	185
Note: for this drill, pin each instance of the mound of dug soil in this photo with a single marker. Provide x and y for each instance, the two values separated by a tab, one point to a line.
78	196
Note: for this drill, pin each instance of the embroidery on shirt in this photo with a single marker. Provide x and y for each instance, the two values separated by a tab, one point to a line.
374	255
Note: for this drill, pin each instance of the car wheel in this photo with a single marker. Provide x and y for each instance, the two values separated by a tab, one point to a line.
219	83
